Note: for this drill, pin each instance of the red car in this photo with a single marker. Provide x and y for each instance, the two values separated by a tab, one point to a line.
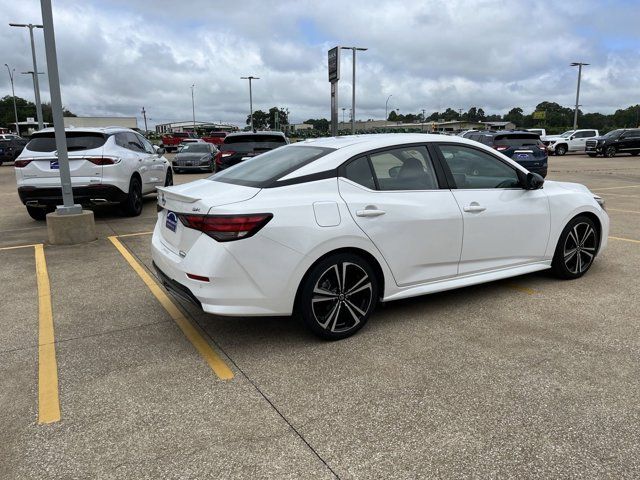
170	141
215	137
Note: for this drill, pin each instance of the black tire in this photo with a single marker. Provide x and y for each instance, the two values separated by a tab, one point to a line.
635	154
577	248
168	180
132	206
592	155
560	150
333	310
610	152
38	213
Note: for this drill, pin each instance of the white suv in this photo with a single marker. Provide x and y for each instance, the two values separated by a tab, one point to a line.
110	165
569	141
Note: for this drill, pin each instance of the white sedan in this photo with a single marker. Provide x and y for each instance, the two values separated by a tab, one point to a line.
327	228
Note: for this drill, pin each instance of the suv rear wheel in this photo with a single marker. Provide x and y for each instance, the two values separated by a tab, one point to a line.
132	206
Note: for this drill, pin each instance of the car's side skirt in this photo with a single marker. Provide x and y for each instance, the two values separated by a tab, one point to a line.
468	280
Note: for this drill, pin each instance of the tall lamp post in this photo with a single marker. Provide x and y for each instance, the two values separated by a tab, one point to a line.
575	115
35	88
35	69
193	108
13	94
386	109
250	78
353	87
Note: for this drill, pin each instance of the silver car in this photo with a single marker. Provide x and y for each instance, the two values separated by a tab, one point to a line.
195	156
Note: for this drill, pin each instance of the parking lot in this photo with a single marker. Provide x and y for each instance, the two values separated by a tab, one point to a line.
105	375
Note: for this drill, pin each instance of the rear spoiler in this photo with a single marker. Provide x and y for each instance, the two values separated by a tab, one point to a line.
176	196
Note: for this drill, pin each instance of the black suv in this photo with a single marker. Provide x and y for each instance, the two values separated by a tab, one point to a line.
11	147
237	147
522	147
623	140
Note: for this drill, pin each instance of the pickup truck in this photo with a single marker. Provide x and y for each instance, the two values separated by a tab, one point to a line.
170	141
215	138
569	141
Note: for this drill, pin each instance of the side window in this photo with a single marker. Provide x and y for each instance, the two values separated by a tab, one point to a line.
133	143
407	168
632	134
146	145
590	133
359	171
473	168
121	140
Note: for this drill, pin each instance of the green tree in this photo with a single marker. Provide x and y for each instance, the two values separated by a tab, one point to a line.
260	120
515	116
320	124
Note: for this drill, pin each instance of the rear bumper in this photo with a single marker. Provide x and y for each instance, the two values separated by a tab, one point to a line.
88	195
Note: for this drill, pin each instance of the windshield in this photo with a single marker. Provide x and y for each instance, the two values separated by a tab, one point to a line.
46	142
567	133
252	143
195	148
264	169
613	134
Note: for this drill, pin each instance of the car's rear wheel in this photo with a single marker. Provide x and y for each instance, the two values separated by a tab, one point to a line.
168	181
132	206
38	213
576	249
338	296
610	152
561	150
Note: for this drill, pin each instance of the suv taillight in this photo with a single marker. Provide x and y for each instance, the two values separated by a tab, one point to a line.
21	163
225	228
103	160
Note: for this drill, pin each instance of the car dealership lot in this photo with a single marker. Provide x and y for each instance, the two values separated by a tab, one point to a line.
530	377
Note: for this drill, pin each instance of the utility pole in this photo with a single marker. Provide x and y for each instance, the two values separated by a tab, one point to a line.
575	115
144	115
343	109
193	108
386	108
13	94
250	78
353	87
36	83
422	120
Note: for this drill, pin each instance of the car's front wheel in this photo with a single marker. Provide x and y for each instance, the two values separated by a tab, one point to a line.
576	249
610	152
168	181
338	296
561	150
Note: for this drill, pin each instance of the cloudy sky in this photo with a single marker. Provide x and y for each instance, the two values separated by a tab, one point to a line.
116	56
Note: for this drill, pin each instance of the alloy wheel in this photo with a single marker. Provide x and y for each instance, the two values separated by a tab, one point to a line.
580	248
342	297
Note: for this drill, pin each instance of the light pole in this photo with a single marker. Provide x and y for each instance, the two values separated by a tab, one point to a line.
144	115
35	69
193	108
575	115
13	93
35	89
250	78
386	110
353	87
422	121
343	109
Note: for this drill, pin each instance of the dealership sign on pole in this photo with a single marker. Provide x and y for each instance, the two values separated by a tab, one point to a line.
334	76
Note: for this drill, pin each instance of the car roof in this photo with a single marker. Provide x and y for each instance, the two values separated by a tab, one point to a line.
239	134
103	130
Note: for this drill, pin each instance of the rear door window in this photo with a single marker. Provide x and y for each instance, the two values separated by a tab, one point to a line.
76	141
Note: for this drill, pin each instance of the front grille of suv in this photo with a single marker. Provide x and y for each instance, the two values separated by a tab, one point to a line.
591	143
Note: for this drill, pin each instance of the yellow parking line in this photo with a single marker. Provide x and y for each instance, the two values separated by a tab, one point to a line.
133	234
215	362
616	188
18	246
620	210
520	288
48	397
625	239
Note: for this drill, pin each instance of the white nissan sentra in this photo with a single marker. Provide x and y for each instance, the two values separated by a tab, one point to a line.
327	228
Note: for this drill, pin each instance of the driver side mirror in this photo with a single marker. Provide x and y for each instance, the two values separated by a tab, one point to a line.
159	150
533	181
394	171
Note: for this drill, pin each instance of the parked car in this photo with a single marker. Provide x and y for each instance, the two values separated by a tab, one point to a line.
242	146
171	141
569	141
195	156
624	140
216	138
10	147
540	131
522	146
466	133
108	166
327	228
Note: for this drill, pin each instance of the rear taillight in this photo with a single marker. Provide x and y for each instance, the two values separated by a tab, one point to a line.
500	147
103	160
225	228
21	163
228	153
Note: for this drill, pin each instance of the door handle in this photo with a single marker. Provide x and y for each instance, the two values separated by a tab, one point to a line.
370	211
474	207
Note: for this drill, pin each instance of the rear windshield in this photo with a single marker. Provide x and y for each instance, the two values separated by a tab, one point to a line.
195	148
46	142
263	170
517	140
252	143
